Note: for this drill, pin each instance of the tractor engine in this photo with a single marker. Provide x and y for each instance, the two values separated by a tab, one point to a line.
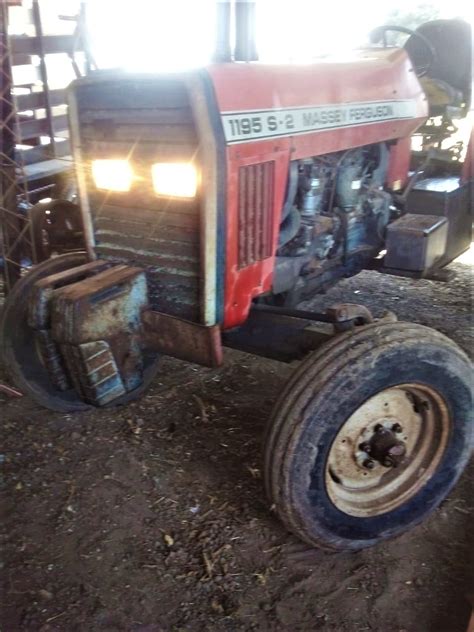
334	216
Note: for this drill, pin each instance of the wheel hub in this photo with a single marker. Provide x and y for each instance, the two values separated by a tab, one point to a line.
384	447
387	450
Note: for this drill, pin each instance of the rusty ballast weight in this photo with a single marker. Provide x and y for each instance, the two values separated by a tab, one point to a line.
160	332
96	333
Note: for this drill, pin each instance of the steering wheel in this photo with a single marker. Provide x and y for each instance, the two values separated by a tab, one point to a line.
421	69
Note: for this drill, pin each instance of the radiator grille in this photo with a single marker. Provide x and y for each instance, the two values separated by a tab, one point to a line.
146	120
165	243
255	202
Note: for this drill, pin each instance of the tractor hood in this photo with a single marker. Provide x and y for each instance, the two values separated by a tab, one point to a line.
373	96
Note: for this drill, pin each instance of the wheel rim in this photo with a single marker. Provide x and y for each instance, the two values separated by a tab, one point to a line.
387	450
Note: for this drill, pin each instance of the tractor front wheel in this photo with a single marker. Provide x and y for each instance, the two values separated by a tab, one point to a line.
370	435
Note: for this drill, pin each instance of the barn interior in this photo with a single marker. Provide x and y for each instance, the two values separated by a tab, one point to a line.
143	508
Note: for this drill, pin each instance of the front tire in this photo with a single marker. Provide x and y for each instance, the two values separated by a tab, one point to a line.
370	435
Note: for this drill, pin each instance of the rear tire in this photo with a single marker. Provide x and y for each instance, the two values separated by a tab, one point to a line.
18	351
335	397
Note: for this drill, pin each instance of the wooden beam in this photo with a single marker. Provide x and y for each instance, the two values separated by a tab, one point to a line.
42	152
40	127
22	44
46	169
36	100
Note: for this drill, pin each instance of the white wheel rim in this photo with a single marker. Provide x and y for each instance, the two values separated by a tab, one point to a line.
421	418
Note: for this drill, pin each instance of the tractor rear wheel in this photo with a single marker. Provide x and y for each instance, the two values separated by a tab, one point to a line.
19	353
370	435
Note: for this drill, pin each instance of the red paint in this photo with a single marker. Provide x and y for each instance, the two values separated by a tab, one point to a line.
371	75
244	284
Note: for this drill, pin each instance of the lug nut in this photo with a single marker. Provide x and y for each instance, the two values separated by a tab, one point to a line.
365	447
397	428
369	464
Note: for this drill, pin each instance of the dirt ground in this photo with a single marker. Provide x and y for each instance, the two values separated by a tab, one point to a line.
152	518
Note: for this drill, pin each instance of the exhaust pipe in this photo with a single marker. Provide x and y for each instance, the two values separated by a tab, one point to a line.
245	28
222	52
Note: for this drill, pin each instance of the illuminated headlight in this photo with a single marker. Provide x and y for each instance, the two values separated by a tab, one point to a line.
174	179
112	175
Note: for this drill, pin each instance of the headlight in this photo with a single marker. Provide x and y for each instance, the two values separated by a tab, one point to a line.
175	179
112	175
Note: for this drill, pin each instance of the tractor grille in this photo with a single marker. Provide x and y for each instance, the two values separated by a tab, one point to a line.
255	212
166	244
146	120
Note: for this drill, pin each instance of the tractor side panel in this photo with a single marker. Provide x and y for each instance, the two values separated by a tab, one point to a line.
273	114
256	191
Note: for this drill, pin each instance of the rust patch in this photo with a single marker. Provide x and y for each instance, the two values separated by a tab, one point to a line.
345	315
38	316
97	323
183	339
94	371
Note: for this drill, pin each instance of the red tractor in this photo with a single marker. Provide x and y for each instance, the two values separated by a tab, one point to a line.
212	203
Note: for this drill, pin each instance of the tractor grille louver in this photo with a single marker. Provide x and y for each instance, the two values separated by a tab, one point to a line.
146	120
166	244
255	202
